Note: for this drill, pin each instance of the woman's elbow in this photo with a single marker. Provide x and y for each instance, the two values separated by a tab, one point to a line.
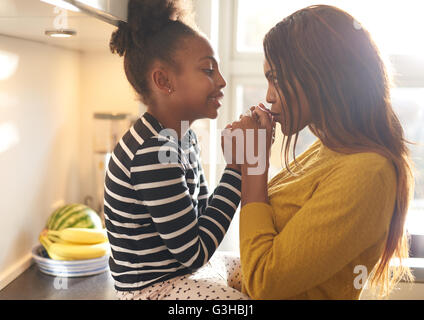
260	285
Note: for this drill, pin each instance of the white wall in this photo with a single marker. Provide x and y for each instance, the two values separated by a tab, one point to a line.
46	112
104	89
39	144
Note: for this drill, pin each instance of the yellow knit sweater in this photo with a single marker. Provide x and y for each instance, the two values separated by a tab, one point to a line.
318	227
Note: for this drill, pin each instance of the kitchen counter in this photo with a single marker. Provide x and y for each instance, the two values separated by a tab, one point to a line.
35	285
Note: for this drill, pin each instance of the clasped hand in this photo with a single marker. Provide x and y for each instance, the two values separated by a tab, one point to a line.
247	142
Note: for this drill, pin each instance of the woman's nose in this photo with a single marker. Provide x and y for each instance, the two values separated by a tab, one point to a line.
270	96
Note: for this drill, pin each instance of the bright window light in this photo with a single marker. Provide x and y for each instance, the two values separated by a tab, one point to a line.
396	26
415	219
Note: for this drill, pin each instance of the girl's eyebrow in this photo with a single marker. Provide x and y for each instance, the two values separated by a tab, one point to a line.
210	58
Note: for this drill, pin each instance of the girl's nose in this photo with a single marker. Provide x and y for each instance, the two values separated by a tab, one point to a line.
221	81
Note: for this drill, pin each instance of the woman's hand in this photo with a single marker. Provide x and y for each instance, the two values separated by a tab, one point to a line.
266	121
257	129
247	143
229	148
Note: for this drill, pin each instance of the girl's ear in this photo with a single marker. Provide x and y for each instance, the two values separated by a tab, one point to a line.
161	80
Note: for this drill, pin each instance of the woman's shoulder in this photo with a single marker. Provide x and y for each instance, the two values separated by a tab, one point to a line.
370	160
366	166
366	160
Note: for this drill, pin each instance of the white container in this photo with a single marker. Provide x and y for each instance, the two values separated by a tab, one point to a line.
74	268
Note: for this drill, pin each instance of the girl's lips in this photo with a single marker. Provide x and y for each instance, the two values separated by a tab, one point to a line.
216	99
216	102
218	96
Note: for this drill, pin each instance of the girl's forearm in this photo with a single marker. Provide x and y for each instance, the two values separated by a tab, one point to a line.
234	167
254	188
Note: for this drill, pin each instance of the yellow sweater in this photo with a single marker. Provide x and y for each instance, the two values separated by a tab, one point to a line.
318	227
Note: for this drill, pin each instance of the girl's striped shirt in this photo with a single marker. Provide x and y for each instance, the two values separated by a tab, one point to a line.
160	221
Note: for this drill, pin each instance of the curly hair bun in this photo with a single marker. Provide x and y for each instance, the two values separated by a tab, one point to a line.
120	39
145	19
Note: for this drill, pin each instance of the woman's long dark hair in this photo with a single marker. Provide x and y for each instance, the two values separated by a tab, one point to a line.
346	82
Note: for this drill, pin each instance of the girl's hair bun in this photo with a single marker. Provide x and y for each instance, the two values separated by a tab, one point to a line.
120	39
146	18
155	30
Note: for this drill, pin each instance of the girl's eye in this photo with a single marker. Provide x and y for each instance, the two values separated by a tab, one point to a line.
208	71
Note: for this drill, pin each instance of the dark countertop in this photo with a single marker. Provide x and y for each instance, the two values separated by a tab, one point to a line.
32	284
35	285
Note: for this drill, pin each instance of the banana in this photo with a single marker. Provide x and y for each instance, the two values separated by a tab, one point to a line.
68	251
81	251
46	244
56	239
80	235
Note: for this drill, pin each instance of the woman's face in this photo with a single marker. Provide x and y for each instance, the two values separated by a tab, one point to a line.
272	97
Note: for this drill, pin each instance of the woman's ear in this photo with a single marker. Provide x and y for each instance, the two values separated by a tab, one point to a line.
161	80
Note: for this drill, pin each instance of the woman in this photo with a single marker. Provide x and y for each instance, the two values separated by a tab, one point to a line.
338	211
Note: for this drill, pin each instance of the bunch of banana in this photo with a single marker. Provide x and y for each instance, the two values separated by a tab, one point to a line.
75	243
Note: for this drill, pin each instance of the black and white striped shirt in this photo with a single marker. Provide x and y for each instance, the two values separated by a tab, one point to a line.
160	221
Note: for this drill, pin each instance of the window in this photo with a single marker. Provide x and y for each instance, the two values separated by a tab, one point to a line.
409	105
395	27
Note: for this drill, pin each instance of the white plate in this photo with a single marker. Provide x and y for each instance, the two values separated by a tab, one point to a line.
74	268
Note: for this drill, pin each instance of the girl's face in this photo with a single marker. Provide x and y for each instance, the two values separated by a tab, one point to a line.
199	83
272	97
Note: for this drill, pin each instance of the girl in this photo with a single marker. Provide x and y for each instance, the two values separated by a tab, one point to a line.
322	224
161	224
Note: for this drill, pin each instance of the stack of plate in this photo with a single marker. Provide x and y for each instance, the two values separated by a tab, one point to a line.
74	268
